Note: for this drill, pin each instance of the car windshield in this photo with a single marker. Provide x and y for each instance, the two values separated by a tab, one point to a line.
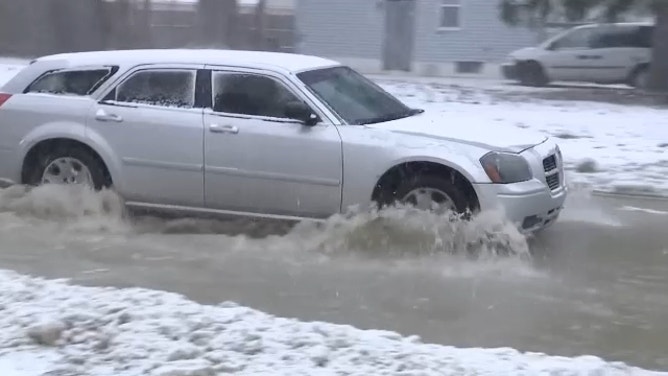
356	99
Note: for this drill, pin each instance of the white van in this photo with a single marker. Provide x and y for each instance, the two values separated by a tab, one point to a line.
599	53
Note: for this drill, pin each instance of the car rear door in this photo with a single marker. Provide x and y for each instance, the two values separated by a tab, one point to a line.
621	48
48	101
259	161
569	57
611	53
151	121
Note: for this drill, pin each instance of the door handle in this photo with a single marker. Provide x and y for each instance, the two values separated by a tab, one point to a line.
102	115
217	128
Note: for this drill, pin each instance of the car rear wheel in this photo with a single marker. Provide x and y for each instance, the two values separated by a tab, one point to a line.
69	165
431	193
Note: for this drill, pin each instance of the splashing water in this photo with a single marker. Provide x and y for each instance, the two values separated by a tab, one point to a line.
402	231
77	207
395	232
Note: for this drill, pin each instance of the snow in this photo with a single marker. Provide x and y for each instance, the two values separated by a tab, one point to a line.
643	210
608	147
254	59
8	68
49	327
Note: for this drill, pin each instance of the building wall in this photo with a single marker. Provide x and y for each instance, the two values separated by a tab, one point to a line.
340	28
352	31
482	36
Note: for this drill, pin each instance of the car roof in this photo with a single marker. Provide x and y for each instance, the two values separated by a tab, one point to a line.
629	24
251	59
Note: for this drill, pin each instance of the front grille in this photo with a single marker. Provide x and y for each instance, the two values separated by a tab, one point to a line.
552	181
550	163
551	174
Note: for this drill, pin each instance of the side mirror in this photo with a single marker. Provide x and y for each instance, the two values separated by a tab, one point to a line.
302	112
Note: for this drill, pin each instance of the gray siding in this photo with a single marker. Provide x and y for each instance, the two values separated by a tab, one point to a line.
340	28
482	35
354	29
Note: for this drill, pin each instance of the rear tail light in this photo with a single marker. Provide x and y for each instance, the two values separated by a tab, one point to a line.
4	98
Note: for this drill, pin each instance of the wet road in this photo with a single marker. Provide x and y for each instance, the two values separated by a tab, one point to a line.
597	282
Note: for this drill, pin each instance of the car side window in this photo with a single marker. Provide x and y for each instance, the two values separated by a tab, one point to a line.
250	94
644	37
617	37
165	88
578	38
70	82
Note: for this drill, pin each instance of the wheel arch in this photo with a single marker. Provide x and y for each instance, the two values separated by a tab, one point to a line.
524	64
69	131
390	179
38	147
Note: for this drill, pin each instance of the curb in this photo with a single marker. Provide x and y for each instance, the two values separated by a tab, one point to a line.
644	196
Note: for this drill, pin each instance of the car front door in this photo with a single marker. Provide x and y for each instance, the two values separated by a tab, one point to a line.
570	57
151	122
259	161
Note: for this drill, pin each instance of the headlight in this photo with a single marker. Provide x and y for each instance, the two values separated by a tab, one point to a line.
506	168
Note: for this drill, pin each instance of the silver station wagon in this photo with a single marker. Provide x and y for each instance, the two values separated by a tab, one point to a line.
260	134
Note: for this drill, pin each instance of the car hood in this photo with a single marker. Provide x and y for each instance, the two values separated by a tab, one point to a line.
491	136
525	53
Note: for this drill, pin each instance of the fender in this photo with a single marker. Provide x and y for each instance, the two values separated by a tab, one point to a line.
481	177
465	172
76	132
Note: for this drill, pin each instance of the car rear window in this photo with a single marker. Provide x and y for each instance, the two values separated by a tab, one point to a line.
71	81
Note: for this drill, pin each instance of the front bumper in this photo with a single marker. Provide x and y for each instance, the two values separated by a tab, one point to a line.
535	204
509	71
530	210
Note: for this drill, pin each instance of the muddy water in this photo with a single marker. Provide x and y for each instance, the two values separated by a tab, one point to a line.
595	283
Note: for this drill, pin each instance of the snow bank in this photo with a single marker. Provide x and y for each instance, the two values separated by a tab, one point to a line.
52	328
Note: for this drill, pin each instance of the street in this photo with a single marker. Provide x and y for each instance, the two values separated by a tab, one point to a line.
595	283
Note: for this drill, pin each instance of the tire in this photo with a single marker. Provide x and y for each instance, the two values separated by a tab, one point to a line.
531	73
638	77
99	178
430	182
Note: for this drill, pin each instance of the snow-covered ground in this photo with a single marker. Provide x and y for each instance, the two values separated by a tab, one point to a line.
50	327
608	147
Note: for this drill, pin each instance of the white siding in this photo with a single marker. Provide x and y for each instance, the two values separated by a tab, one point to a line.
340	28
355	29
482	35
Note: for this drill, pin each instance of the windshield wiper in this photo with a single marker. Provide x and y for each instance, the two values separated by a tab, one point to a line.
391	116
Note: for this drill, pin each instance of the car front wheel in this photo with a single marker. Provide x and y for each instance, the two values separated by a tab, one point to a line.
432	193
531	73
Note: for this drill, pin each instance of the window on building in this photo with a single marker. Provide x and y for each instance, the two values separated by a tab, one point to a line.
450	14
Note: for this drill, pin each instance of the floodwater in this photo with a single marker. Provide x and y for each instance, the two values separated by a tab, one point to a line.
595	283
